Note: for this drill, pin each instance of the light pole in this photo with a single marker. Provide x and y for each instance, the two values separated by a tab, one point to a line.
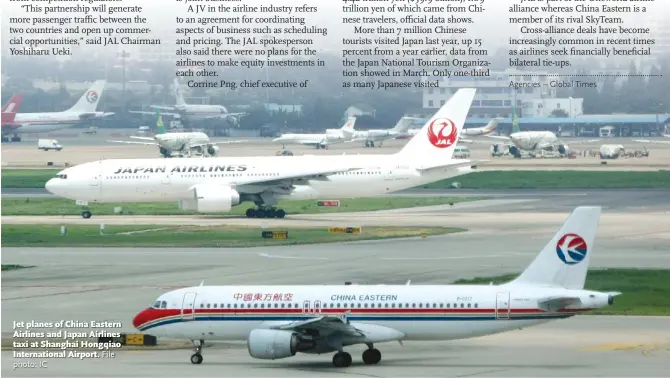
123	55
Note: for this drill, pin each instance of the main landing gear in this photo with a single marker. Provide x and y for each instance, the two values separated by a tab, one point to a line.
15	138
196	357
371	356
265	212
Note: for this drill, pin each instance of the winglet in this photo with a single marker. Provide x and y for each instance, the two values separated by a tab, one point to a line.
202	283
408	281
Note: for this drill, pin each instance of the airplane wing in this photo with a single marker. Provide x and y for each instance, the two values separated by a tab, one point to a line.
584	141
452	165
306	175
325	324
168	108
176	115
129	142
651	141
216	143
142	138
497	137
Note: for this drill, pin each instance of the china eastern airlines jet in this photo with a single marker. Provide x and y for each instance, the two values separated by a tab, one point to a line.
214	185
280	321
82	111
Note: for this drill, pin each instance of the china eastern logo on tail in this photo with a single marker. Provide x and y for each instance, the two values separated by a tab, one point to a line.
91	96
571	249
442	132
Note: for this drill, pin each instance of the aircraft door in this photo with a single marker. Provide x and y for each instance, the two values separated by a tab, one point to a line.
188	306
94	179
502	306
317	307
305	307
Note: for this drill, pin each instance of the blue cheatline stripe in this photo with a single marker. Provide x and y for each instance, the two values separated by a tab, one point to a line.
358	318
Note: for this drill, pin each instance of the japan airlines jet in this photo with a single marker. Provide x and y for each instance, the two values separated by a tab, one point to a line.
190	114
186	144
474	131
372	136
84	110
331	136
279	321
215	185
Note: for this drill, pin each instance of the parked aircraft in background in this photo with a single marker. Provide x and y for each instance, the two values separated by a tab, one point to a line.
331	136
475	131
190	114
32	123
9	111
215	185
371	136
279	321
186	144
535	141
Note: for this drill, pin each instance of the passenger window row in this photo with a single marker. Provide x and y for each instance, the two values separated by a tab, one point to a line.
344	305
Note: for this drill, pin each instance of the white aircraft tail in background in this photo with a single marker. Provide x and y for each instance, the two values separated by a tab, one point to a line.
88	102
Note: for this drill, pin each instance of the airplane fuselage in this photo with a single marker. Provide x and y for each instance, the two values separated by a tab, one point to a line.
532	140
176	141
419	312
30	123
162	180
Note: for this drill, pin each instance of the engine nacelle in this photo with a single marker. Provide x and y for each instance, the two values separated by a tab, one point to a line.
514	150
270	344
212	150
562	149
231	121
164	152
215	198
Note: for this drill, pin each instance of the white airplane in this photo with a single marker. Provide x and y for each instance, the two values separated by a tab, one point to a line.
371	136
84	110
190	114
185	144
474	131
331	136
535	141
214	185
280	321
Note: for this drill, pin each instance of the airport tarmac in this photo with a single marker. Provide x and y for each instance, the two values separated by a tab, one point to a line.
90	148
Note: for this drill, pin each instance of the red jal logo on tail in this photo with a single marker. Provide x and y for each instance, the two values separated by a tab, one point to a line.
442	133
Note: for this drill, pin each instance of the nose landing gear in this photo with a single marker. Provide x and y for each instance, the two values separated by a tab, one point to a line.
196	357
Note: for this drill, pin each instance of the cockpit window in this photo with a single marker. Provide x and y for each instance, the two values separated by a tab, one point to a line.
157	305
163	304
64	177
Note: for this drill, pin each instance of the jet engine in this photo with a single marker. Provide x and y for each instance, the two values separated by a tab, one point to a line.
231	121
514	150
270	344
562	149
210	198
212	150
164	152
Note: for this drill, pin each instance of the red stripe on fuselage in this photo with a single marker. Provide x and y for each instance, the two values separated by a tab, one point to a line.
154	314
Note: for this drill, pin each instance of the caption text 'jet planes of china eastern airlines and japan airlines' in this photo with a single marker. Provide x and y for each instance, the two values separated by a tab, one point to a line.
209	185
279	321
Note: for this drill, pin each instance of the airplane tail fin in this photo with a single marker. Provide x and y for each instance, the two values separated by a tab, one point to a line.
177	93
348	127
88	102
10	109
564	261
160	128
491	126
437	139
